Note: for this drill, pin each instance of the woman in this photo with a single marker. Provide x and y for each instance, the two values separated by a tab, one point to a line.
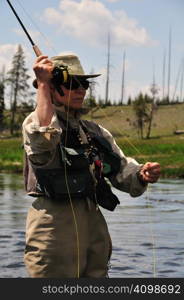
67	162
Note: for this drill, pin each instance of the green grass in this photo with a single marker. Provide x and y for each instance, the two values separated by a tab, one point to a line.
11	154
165	146
169	152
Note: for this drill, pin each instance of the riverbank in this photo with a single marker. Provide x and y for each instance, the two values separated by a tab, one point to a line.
11	155
164	146
168	151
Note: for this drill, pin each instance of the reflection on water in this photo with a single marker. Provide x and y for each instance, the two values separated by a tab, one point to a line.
13	210
147	232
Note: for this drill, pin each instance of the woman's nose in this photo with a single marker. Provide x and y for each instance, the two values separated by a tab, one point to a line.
81	89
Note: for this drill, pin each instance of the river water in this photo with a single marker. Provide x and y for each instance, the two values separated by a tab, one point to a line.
147	232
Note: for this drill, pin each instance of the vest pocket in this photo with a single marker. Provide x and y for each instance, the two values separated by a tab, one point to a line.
60	183
74	159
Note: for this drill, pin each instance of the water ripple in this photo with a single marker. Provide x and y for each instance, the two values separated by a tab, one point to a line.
133	226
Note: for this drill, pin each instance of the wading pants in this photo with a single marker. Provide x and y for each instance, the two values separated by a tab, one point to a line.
66	242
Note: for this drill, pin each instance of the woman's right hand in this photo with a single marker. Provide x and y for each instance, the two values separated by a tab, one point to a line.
43	68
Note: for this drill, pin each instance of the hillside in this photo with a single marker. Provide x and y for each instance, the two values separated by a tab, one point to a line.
120	120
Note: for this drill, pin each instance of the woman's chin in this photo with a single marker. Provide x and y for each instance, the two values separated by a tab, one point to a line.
76	105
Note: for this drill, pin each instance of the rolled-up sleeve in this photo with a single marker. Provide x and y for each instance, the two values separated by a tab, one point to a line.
126	180
40	141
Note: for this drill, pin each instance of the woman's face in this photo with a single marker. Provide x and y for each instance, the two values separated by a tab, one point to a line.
71	98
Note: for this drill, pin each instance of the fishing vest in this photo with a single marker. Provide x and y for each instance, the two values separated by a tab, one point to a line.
81	168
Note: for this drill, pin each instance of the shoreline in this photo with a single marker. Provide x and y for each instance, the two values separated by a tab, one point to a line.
178	174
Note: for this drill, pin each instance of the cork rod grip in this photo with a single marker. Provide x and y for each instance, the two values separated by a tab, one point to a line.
37	50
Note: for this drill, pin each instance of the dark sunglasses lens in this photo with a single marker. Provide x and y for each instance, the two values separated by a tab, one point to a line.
85	84
74	84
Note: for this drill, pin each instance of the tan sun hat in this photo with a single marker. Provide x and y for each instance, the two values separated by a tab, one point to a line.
73	64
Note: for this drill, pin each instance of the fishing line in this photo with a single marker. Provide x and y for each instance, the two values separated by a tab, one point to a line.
47	40
120	131
68	189
147	192
152	234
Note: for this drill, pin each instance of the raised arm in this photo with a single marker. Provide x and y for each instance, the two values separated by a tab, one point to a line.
43	70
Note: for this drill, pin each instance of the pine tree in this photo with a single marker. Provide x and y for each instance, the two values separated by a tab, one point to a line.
129	102
18	81
2	104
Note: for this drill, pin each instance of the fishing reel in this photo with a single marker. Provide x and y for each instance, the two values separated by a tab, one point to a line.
60	75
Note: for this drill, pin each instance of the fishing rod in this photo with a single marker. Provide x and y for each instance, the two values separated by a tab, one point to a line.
60	74
35	47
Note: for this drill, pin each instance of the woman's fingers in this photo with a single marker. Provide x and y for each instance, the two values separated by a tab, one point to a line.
150	172
41	57
43	68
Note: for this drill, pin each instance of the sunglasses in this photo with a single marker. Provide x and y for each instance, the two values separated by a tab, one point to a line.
74	83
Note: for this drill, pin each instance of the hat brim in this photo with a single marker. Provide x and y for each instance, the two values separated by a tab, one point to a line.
81	76
86	75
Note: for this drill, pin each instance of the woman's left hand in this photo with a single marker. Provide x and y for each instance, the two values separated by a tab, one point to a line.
150	172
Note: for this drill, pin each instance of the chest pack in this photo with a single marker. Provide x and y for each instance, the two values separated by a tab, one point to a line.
73	177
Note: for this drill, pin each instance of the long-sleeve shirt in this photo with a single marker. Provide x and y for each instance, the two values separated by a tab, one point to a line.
40	144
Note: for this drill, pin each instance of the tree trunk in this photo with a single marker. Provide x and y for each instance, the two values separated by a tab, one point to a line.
13	109
150	121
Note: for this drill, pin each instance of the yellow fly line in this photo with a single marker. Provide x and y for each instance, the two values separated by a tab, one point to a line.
153	241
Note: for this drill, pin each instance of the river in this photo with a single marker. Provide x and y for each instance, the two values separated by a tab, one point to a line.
147	232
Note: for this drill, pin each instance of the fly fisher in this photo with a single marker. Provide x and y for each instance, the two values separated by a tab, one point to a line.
68	162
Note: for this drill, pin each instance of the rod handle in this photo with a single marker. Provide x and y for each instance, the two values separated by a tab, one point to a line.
37	50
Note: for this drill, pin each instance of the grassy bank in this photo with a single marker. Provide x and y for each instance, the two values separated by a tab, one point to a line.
163	147
167	151
11	155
